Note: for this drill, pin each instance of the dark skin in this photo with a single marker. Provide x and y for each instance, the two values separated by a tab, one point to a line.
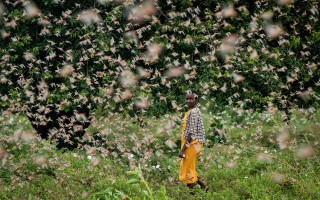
191	102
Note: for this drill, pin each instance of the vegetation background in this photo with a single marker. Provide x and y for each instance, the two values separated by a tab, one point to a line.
92	95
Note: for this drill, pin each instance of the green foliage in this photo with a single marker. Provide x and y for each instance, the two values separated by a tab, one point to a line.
146	190
251	165
295	41
195	37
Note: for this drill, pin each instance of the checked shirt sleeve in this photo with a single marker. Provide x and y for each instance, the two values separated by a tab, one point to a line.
194	126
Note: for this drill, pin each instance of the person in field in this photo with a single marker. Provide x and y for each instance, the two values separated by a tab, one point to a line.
192	140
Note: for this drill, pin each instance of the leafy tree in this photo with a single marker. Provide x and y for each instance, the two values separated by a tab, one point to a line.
61	60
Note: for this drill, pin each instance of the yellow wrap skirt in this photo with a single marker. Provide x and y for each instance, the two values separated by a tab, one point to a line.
188	173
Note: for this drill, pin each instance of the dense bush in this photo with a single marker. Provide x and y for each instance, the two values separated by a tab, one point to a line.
60	60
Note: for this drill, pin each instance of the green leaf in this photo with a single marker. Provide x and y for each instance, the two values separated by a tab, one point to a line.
132	181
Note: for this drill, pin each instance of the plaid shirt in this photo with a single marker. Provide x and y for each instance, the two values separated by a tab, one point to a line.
194	126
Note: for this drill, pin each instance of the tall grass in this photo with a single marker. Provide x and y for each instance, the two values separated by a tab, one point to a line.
139	163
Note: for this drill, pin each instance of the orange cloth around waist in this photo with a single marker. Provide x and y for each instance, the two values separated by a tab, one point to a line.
188	173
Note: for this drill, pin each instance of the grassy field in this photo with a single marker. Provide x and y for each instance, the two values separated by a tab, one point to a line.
263	158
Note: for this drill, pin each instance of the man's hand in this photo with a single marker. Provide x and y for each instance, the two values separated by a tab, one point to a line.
181	155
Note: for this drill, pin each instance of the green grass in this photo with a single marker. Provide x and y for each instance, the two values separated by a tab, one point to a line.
250	165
